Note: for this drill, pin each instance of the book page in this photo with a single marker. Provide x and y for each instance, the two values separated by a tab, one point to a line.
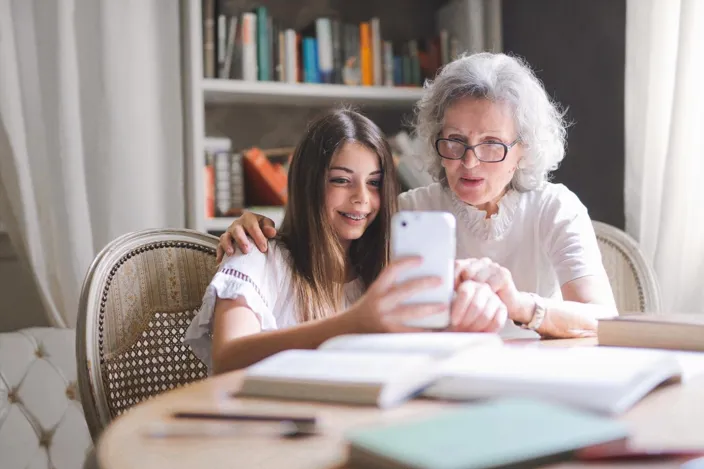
338	366
592	366
436	344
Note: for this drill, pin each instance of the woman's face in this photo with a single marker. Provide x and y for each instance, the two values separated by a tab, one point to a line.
352	191
473	121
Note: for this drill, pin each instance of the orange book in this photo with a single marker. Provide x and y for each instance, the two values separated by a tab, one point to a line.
209	186
265	183
365	54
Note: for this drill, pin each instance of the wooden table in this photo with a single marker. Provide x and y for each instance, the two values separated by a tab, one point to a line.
672	416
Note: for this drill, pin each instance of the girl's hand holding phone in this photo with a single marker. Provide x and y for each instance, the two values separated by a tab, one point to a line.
382	308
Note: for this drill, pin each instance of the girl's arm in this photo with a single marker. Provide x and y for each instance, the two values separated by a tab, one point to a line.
239	342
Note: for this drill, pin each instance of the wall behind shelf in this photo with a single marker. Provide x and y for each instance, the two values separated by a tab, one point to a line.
281	126
578	49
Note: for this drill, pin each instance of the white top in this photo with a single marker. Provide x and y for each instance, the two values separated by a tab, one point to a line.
264	281
544	237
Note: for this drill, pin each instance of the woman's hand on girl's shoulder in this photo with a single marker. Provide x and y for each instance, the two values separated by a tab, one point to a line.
258	227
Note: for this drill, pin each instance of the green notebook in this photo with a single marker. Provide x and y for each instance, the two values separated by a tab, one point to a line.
501	433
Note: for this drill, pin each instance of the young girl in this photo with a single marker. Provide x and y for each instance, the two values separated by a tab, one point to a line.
332	247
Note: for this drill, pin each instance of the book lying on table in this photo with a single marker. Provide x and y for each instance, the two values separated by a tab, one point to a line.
387	369
672	331
603	379
498	434
376	369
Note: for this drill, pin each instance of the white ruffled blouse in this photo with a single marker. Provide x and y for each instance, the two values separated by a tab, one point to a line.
264	281
544	237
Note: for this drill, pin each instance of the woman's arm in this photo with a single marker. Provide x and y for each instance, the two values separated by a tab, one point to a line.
585	300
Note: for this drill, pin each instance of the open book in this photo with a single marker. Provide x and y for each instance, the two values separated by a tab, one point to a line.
607	380
387	369
376	369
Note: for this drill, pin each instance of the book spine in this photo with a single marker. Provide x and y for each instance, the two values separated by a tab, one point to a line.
291	57
377	52
281	57
337	52
249	47
237	194
209	38
398	70
365	53
209	186
226	70
309	60
222	43
263	44
388	64
323	32
223	189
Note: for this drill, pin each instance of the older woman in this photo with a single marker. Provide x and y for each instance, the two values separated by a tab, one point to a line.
493	136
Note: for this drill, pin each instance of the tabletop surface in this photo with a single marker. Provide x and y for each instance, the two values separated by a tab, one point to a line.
671	416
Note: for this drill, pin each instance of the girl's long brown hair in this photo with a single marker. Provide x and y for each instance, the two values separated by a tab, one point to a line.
317	260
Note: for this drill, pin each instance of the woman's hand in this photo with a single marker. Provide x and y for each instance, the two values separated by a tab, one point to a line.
498	279
476	308
258	227
381	308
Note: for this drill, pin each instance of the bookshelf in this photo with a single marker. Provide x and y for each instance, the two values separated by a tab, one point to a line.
207	99
218	91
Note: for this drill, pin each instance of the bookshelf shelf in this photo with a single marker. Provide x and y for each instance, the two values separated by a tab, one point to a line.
218	91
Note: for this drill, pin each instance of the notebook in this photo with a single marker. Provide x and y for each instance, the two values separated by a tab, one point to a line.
497	434
375	369
673	331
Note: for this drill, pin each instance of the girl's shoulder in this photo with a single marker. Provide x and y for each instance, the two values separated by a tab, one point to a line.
275	258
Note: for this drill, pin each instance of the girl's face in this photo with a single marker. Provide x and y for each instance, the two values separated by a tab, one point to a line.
352	191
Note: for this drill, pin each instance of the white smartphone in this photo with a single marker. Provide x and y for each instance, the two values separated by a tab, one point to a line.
431	236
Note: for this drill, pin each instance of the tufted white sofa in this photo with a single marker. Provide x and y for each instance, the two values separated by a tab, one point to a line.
41	418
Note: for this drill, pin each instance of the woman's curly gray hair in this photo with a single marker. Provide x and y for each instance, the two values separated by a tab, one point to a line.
499	78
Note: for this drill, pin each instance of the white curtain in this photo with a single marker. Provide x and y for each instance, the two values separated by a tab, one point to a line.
664	185
90	132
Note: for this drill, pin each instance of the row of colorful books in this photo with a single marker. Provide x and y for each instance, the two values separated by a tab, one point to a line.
251	46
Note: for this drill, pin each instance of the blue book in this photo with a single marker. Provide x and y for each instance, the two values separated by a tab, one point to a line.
310	60
495	434
263	53
398	71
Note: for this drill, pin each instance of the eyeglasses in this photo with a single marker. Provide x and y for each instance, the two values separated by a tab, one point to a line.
488	152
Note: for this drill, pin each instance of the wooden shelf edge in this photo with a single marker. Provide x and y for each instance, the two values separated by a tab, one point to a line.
218	91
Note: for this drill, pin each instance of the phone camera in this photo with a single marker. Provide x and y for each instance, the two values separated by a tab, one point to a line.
403	223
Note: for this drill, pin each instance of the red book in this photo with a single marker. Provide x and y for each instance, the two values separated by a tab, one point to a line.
265	184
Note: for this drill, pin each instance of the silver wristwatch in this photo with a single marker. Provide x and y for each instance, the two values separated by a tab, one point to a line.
538	313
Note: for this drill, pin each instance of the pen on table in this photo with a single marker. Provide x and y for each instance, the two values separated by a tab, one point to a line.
195	424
